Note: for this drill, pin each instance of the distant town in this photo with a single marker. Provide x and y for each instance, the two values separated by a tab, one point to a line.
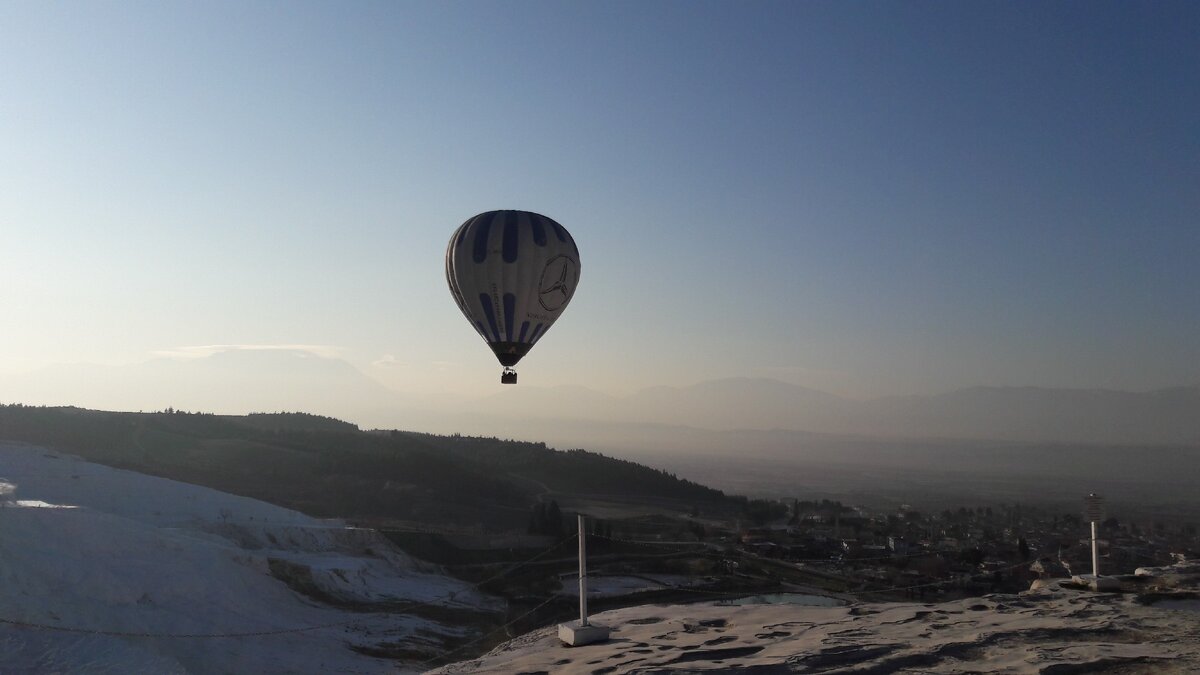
954	552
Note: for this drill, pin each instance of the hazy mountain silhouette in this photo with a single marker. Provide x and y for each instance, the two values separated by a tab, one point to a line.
1169	415
1001	413
723	404
695	418
234	381
714	405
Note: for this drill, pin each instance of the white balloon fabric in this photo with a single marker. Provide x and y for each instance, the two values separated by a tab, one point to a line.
512	274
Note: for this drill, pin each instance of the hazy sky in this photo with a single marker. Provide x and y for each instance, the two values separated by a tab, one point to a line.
865	197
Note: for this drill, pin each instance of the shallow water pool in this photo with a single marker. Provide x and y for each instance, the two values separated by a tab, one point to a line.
786	599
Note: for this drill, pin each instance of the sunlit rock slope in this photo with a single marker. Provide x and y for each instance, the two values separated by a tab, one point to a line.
109	571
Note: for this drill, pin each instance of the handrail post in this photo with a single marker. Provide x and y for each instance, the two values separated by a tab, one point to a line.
583	614
582	632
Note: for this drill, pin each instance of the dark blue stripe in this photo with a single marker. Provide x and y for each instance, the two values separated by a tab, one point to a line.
462	234
490	313
510	236
510	308
524	329
539	230
536	331
559	231
483	227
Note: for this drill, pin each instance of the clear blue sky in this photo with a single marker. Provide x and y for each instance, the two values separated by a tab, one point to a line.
863	197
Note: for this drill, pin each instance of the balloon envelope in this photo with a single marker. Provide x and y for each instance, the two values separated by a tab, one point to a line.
512	274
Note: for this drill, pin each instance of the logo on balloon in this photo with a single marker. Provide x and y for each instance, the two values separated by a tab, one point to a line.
554	290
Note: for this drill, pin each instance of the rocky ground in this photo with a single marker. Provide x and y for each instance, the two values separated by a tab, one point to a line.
1151	626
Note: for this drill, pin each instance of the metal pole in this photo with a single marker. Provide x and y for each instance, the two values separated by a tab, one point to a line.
583	621
1095	554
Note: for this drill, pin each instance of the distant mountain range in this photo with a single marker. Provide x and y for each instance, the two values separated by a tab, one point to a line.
715	416
227	382
1164	416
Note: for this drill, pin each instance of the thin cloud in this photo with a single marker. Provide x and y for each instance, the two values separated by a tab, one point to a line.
388	361
202	351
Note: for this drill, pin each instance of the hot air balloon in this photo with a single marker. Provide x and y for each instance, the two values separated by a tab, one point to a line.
512	274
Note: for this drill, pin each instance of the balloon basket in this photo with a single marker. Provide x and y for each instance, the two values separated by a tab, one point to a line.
509	376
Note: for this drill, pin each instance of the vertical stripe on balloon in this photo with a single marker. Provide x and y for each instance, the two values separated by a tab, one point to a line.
482	229
510	236
537	330
510	308
524	329
539	229
489	313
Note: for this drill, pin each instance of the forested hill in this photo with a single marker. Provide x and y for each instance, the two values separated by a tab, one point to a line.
330	468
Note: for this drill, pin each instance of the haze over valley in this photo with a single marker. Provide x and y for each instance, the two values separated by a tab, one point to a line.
752	436
242	380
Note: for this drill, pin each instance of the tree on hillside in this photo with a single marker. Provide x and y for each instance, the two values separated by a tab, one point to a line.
537	519
546	519
554	520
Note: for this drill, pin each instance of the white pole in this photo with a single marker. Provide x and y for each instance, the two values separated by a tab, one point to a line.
583	620
1095	554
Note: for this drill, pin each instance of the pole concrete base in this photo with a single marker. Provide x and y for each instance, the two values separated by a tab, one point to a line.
573	634
1099	584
